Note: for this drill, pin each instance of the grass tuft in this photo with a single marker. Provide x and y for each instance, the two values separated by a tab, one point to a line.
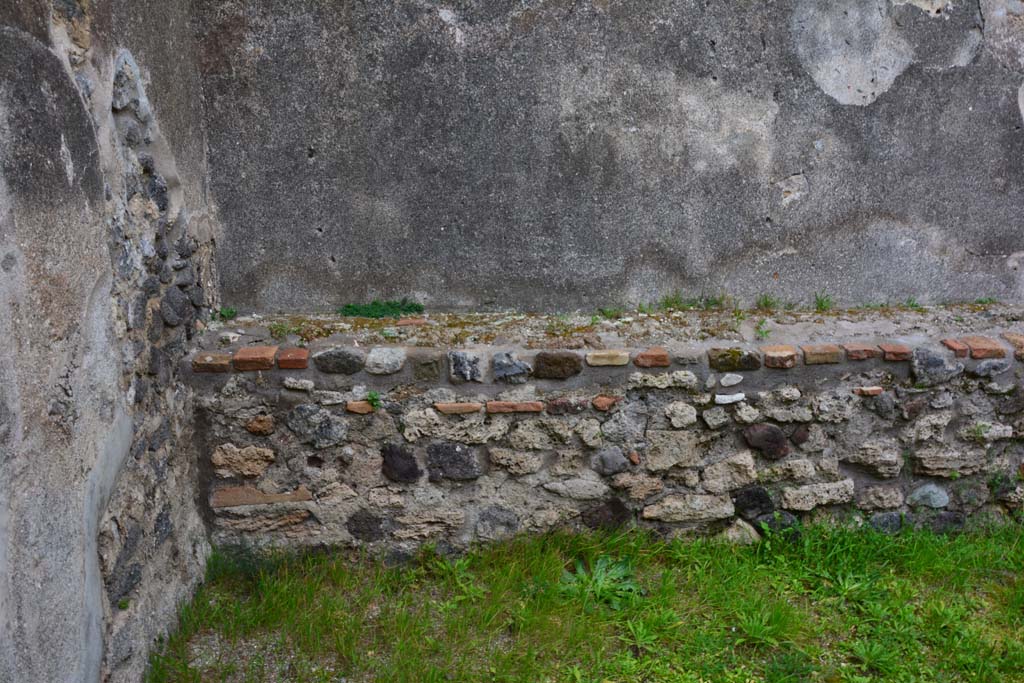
827	604
381	309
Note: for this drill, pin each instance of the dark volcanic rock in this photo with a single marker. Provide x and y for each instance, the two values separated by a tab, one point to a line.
448	460
768	439
400	464
611	514
340	360
508	368
557	365
753	502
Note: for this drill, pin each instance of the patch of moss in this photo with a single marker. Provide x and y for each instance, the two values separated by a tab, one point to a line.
381	309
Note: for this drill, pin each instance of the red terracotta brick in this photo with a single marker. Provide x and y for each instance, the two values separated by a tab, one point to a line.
868	391
896	352
457	408
780	356
293	359
959	349
858	351
255	358
359	407
984	347
822	354
211	362
655	357
605	403
1017	341
236	496
634	458
515	406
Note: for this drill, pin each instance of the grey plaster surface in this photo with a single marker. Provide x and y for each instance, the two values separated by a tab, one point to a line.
549	155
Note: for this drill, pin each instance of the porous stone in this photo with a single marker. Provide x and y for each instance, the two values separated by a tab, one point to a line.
556	365
810	496
681	414
943	461
317	426
638	486
454	461
251	461
768	439
609	461
427	366
507	368
690	508
295	384
730	380
385	360
516	462
240	496
739	533
879	498
732	473
605	403
579	488
715	418
881	458
733	359
929	495
667	449
261	425
746	414
399	464
465	366
608	358
681	379
340	360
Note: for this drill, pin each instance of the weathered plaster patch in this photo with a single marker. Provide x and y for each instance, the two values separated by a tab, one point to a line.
850	48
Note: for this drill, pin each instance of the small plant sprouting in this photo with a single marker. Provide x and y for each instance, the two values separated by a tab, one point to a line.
225	313
766	302
646	309
912	304
986	301
978	431
281	330
762	330
673	302
373	398
611	313
822	302
123	604
610	582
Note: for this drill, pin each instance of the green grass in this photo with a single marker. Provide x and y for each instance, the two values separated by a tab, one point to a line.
767	302
381	309
822	302
831	605
225	313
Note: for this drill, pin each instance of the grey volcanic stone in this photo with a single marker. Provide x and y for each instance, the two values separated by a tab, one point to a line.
465	366
887	522
929	495
175	307
991	367
385	360
753	502
778	521
931	368
507	368
608	461
365	526
948	521
557	365
449	460
768	439
340	360
612	514
400	464
496	522
316	426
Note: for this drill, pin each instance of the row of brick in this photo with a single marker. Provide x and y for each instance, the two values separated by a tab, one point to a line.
782	356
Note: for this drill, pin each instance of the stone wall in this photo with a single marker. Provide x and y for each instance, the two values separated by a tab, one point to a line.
391	447
106	266
558	154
